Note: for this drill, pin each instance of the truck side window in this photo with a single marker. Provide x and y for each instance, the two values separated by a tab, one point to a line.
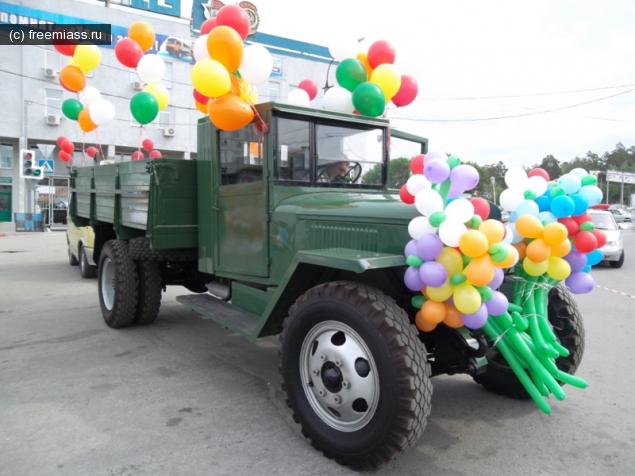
293	154
241	156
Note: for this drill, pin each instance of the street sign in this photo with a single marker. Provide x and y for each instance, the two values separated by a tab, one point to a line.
47	165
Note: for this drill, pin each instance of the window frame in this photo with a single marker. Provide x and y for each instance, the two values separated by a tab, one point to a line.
10	156
58	112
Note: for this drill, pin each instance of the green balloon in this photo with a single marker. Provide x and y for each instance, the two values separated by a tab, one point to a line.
453	161
437	218
414	260
457	279
587	226
417	301
350	73
529	195
475	221
144	107
369	99
556	192
71	108
485	292
589	180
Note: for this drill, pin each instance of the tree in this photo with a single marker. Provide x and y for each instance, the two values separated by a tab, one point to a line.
550	165
398	173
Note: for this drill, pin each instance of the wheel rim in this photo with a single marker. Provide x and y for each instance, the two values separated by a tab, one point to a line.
108	283
339	376
82	261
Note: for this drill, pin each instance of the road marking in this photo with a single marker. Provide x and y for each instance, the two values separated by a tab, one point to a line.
614	291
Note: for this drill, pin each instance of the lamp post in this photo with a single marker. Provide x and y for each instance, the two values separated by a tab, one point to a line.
493	180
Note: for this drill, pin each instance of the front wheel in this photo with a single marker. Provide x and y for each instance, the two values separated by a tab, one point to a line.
618	263
355	373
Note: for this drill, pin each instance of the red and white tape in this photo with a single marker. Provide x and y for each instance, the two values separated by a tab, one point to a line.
614	291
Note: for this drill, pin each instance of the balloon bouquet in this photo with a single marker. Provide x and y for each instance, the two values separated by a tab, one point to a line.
226	71
457	258
154	97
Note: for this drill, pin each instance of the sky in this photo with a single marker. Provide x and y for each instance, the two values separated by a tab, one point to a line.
489	49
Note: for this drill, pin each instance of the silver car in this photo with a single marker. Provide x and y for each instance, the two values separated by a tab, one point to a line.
621	215
613	250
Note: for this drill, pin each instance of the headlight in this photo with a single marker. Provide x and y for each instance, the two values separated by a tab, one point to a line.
612	244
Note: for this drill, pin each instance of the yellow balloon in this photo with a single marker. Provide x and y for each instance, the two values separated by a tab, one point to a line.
529	226
362	57
535	269
558	268
451	259
493	230
561	249
480	271
387	78
87	57
160	93
440	294
473	243
555	233
210	78
466	298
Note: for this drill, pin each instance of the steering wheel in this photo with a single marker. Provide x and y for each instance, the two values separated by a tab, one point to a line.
351	176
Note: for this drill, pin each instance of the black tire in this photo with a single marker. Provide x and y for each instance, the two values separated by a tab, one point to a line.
118	285
619	262
150	289
140	250
568	326
86	270
71	257
393	405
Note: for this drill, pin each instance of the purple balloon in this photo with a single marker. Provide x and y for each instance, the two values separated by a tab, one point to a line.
429	246
412	280
436	170
455	190
464	176
580	283
576	260
433	274
411	248
476	320
498	305
497	280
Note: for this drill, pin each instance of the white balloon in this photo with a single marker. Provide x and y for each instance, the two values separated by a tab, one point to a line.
89	95
420	226
516	177
101	112
510	199
200	48
338	99
299	97
450	232
151	69
460	210
579	172
416	183
342	49
537	184
428	201
256	65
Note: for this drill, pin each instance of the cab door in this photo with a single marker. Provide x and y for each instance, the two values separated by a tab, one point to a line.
5	203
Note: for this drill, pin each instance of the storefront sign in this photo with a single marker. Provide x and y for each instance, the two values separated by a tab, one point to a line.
6	180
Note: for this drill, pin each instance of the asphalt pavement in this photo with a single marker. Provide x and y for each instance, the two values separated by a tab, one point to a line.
187	397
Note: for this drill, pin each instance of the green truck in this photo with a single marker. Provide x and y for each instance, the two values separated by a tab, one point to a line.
270	241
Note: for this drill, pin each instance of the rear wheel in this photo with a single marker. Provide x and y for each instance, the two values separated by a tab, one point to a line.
87	271
618	263
355	373
71	257
118	284
150	288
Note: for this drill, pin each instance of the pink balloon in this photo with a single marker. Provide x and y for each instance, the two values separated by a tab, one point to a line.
381	52
207	26
155	154
407	91
128	52
91	151
68	146
137	155
60	141
147	144
310	87
200	98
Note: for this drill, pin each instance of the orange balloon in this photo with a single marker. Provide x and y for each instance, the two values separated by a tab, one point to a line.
362	57
561	249
555	233
433	312
521	247
142	33
85	122
480	271
529	226
201	107
229	112
422	324
225	45
473	243
453	317
493	230
538	250
512	258
73	78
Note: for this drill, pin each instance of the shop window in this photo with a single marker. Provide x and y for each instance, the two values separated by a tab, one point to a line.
6	156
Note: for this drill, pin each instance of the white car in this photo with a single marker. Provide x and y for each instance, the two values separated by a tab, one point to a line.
621	215
613	250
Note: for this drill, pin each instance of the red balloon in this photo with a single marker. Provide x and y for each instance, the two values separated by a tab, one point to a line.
68	146
407	91
155	154
569	223
207	26
405	195
60	140
539	173
137	155
585	242
200	98
147	144
481	207
234	17
128	52
65	47
64	156
310	87
582	218
416	164
600	236
91	151
381	52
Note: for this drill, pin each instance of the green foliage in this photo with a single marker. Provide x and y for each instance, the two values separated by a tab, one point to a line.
398	173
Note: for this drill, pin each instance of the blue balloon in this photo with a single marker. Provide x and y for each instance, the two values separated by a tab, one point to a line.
592	193
543	202
517	237
513	216
570	183
527	207
586	269
581	204
562	206
547	217
594	257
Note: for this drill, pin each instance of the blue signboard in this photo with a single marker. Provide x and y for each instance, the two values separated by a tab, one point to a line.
48	165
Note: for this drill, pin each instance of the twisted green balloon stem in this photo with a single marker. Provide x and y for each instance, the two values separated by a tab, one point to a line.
445	189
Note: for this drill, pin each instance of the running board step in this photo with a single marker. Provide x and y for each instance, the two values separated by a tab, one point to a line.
228	315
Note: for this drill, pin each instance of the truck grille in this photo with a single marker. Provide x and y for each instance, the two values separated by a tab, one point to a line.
330	235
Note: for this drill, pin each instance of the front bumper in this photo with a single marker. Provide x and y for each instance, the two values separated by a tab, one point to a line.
611	253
